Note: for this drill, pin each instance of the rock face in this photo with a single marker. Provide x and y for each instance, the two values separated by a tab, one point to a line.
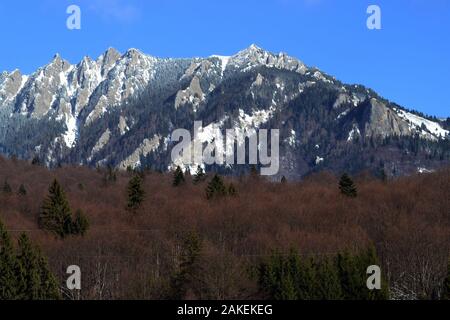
120	110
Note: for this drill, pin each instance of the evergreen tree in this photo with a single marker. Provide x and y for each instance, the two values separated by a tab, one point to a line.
35	281
254	172
347	186
8	281
7	188
232	190
306	280
353	275
216	188
80	224
199	175
446	287
283	180
178	177
184	278
135	193
22	191
35	161
55	215
328	283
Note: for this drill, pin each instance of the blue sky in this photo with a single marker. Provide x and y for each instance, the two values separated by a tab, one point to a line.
408	61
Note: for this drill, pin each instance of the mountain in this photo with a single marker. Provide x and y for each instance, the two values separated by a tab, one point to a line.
120	110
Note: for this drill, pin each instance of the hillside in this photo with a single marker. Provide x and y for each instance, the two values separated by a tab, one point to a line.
128	254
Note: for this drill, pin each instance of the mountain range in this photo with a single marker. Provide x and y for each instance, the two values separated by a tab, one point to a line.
120	109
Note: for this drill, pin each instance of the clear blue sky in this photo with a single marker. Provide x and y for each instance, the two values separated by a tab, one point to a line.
408	61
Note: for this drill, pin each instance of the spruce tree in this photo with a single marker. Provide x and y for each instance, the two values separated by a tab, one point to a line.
216	188
8	281
22	191
184	278
55	215
232	190
135	193
306	279
35	161
178	177
35	281
254	172
328	282
7	188
446	286
80	224
347	186
199	175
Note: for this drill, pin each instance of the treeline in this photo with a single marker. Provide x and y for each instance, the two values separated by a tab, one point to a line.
344	276
148	235
24	272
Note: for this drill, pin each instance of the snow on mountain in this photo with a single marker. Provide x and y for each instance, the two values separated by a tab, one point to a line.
248	89
425	127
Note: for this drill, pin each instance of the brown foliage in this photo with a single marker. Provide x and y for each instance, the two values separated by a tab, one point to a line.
127	255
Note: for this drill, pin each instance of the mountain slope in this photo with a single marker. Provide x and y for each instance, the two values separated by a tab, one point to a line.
120	110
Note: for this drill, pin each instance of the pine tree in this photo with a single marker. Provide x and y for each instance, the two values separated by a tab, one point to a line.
178	177
55	215
328	282
305	282
8	281
347	186
199	175
369	258
232	190
446	286
135	193
7	188
184	278
351	283
22	191
35	161
254	172
35	281
80	224
216	188
283	180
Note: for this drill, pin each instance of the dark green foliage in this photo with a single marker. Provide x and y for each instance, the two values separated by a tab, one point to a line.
35	281
329	286
254	172
446	286
80	224
185	276
135	193
199	175
347	186
232	190
24	275
178	177
22	191
8	281
110	176
322	278
352	271
283	180
7	188
216	188
55	215
35	161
